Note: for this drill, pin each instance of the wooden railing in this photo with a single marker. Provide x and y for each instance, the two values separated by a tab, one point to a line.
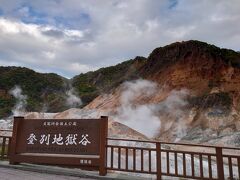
5	141
173	159
162	159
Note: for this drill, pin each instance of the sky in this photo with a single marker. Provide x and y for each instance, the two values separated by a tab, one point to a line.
70	37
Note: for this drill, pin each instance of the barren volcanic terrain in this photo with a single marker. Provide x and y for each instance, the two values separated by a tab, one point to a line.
193	90
186	91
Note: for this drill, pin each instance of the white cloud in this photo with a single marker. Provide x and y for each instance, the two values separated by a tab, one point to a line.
72	36
29	45
76	67
49	55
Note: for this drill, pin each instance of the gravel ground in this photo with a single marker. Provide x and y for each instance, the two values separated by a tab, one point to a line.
14	174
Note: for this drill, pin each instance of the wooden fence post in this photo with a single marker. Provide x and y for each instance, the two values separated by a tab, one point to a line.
220	168
16	123
3	147
159	164
9	146
103	144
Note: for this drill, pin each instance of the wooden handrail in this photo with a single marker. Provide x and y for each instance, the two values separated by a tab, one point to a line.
154	142
179	157
156	154
169	143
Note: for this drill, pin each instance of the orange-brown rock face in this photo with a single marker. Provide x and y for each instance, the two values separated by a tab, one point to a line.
211	77
191	65
194	66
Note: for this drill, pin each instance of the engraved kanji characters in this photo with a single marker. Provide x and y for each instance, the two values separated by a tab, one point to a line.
71	139
58	140
32	138
45	138
84	141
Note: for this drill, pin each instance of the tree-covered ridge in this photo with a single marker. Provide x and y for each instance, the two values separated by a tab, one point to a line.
91	84
41	89
47	91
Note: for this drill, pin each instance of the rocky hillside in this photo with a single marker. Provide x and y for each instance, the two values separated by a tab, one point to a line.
196	97
47	91
187	91
194	65
210	73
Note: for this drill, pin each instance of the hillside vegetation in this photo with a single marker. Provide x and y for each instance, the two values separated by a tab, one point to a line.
47	92
42	90
92	84
192	64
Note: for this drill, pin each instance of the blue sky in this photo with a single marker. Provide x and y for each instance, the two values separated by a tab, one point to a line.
70	37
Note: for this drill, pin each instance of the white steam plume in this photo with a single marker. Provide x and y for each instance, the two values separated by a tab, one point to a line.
19	108
142	118
173	108
72	99
148	118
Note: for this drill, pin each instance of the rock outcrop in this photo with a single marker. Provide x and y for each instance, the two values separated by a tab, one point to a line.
211	77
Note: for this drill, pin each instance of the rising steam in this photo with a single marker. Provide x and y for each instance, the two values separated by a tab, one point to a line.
21	101
18	109
139	117
148	119
151	119
72	99
173	107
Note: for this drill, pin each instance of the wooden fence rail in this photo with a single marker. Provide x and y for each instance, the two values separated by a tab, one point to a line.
173	159
163	159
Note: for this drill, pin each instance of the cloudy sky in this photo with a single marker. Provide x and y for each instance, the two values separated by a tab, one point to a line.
69	37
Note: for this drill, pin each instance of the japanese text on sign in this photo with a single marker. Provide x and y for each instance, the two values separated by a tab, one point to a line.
58	139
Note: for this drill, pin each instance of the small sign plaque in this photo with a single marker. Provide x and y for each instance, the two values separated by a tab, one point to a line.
68	142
